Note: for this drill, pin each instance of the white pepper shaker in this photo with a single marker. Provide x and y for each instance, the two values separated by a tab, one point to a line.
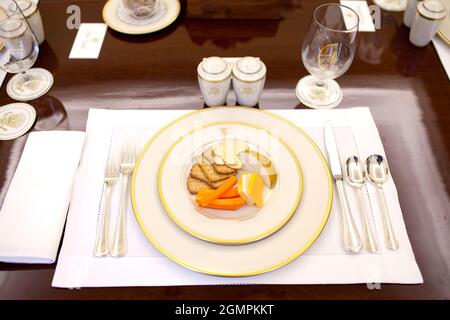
214	79
249	76
17	39
428	18
33	16
410	12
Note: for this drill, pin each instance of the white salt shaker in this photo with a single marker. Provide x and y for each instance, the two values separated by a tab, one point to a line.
33	16
16	38
428	18
249	76
214	79
410	12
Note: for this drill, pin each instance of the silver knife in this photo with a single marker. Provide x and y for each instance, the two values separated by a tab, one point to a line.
352	241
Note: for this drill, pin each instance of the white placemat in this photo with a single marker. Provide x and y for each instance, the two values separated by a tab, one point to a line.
324	263
443	51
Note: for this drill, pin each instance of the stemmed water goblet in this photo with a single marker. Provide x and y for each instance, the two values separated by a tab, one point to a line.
327	53
19	50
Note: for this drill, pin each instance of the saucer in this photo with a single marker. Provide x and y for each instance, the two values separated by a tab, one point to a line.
118	20
42	84
333	100
15	120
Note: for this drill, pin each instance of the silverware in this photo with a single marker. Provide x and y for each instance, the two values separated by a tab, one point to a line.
352	241
119	247
355	175
377	173
111	178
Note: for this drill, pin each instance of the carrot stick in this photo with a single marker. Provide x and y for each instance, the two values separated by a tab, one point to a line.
226	204
231	193
228	184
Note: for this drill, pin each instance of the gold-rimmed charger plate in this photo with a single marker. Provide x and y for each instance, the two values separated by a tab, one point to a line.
111	18
248	224
444	31
291	241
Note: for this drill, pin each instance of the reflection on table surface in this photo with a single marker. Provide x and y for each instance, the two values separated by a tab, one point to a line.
405	87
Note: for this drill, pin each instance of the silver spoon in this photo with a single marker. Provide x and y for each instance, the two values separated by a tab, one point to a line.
355	177
378	172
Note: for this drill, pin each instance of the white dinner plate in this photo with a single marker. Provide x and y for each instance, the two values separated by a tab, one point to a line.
116	19
270	253
249	223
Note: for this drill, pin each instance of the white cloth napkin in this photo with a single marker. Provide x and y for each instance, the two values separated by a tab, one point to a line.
35	207
443	51
325	262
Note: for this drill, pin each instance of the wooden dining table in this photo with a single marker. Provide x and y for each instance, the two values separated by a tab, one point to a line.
405	87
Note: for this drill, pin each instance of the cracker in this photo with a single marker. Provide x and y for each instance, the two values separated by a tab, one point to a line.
211	174
208	155
195	185
217	184
223	169
197	173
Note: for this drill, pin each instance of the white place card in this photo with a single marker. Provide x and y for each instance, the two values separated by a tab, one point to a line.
88	42
362	9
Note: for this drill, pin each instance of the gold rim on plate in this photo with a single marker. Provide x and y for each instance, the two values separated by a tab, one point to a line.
119	29
218	240
244	274
441	34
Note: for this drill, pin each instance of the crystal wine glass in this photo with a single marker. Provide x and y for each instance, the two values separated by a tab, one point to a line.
327	53
392	5
19	50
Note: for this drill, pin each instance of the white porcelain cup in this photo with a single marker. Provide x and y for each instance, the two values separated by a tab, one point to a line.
214	79
427	21
249	76
33	16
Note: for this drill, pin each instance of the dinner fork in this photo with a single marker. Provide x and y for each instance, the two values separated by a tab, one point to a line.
110	179
119	247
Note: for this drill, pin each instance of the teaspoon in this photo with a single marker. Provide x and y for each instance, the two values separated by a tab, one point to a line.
355	177
377	173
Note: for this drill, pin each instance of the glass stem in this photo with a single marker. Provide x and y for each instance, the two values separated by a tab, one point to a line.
26	77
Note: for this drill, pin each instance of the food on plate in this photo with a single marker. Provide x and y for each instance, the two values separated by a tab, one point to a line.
226	204
229	175
195	185
208	155
251	188
228	184
211	174
232	193
259	163
227	153
197	173
223	169
198	179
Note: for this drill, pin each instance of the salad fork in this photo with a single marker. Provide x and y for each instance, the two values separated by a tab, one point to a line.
110	179
119	247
